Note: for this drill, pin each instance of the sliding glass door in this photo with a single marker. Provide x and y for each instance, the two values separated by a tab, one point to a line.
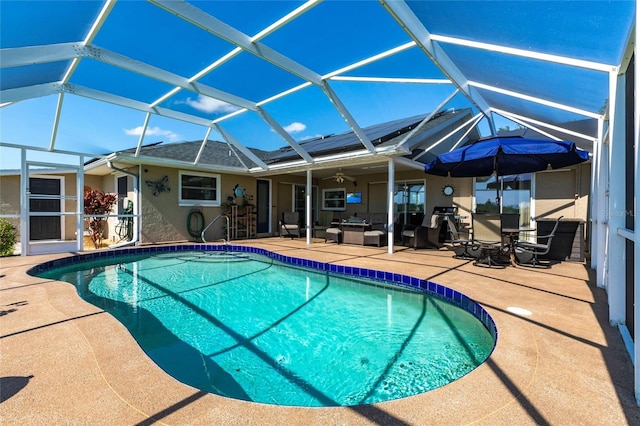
408	201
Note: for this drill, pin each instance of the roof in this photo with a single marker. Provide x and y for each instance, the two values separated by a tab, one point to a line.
258	75
406	137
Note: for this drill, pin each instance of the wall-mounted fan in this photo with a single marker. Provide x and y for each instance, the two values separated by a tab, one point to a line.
340	177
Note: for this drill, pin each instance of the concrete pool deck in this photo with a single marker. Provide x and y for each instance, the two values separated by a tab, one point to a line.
64	361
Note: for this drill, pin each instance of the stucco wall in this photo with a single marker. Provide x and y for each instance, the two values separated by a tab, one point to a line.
163	220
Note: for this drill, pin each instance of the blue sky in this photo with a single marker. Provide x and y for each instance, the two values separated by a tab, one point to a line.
327	37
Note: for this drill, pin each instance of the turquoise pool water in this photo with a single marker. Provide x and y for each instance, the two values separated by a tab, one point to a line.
246	326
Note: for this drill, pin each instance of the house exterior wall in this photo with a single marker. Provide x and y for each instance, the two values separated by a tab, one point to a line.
562	193
94	182
164	220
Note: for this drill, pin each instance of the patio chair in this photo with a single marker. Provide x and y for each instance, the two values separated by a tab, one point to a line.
464	248
424	236
487	235
510	220
527	252
324	222
290	225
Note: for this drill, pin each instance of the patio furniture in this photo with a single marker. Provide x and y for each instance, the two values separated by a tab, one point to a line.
406	220
510	220
353	230
487	234
363	229
527	252
424	236
377	235
333	234
569	241
449	214
324	222
510	225
290	225
464	248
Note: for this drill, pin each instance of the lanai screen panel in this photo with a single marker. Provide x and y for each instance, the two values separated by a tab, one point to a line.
258	69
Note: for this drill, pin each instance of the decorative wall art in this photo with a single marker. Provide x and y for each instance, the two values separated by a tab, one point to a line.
158	186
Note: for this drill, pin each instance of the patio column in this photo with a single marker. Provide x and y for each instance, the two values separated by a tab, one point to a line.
80	205
593	201
307	198
614	277
600	195
636	220
24	204
390	186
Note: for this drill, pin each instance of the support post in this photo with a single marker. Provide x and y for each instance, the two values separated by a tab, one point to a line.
390	210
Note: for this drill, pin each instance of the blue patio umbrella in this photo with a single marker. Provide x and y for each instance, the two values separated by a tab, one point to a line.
504	156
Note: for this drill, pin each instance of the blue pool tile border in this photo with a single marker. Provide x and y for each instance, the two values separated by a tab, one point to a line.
399	280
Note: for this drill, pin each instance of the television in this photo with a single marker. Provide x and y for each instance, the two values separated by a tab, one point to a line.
354	197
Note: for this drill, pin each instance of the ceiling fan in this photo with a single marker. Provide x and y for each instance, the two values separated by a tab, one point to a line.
340	177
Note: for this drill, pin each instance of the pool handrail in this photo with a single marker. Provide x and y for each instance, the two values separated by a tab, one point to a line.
226	241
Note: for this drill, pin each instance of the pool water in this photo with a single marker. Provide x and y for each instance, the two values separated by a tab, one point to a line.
244	326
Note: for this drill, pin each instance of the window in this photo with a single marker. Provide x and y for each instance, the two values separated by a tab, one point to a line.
334	199
199	189
123	188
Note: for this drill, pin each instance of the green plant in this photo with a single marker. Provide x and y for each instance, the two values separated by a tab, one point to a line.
8	236
97	202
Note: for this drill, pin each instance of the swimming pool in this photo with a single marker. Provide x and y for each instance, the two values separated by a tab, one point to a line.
249	324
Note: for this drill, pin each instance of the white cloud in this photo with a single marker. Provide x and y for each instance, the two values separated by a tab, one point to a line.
295	127
210	105
304	138
153	131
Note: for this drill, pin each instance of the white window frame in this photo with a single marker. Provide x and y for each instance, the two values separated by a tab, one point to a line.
191	202
342	198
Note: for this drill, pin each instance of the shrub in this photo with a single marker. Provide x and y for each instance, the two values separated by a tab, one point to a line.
97	202
8	237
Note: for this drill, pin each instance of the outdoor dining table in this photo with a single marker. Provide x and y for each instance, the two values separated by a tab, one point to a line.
513	234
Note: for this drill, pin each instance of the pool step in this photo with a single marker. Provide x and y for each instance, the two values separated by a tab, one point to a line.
216	256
